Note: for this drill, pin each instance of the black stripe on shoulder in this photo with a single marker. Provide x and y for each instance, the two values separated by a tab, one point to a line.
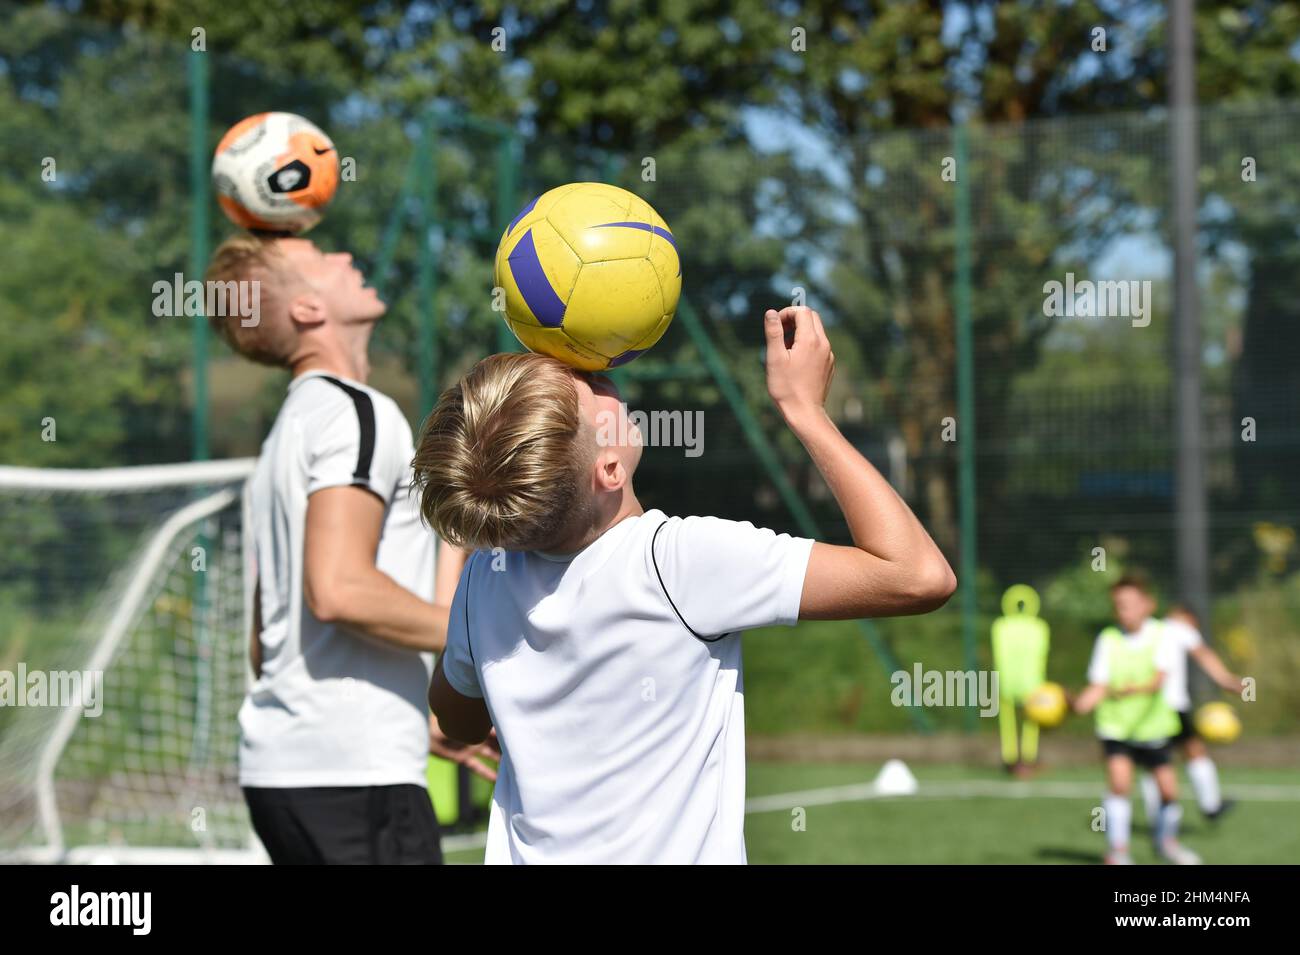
655	560
366	421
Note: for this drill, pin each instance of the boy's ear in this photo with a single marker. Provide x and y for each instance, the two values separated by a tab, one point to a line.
307	309
609	471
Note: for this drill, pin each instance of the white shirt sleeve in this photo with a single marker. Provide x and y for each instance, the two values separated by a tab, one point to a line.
458	656
1098	672
1170	650
724	576
1187	637
360	444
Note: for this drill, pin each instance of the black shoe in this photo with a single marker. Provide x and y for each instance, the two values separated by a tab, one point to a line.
1218	814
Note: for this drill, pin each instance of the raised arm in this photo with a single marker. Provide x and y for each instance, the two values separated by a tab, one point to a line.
894	567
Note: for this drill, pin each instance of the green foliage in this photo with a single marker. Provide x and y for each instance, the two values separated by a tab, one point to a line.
1259	637
1077	600
82	346
777	169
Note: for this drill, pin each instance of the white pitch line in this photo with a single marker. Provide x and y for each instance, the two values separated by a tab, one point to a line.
470	840
813	797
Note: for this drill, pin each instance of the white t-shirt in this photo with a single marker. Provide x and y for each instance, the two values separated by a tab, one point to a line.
332	707
1186	639
1167	653
622	732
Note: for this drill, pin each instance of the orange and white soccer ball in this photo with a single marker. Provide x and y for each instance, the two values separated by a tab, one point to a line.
275	172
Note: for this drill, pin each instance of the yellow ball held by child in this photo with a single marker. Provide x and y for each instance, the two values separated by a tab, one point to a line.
1218	723
1047	705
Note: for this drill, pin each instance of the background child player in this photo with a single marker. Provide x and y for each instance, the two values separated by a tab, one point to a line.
1134	720
602	640
1181	627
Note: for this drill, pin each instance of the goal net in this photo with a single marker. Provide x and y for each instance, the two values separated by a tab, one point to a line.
125	606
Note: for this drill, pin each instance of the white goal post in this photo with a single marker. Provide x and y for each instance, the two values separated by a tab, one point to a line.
125	609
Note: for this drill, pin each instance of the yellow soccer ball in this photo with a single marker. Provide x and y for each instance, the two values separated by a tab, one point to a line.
591	275
1218	723
1047	705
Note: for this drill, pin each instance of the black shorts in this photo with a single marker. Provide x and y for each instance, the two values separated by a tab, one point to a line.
1146	755
346	825
1186	728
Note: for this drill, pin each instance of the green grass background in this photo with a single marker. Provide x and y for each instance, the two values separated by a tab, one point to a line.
989	830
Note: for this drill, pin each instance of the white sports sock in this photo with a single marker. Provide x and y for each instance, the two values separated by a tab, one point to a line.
1167	823
1150	796
1119	820
1205	782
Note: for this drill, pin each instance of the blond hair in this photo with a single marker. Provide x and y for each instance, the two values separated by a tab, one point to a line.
502	458
245	257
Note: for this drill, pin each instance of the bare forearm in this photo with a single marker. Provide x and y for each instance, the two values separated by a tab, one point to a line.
1210	662
463	718
1151	686
879	520
1136	689
378	607
255	653
255	638
1087	700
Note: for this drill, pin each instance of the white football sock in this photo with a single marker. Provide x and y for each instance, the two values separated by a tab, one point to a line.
1150	796
1167	822
1119	821
1205	783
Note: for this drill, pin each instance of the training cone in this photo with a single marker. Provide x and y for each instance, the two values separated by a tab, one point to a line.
895	779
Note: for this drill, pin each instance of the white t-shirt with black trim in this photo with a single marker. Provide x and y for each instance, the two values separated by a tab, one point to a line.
613	677
333	707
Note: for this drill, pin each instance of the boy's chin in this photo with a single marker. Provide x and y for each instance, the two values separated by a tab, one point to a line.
367	314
